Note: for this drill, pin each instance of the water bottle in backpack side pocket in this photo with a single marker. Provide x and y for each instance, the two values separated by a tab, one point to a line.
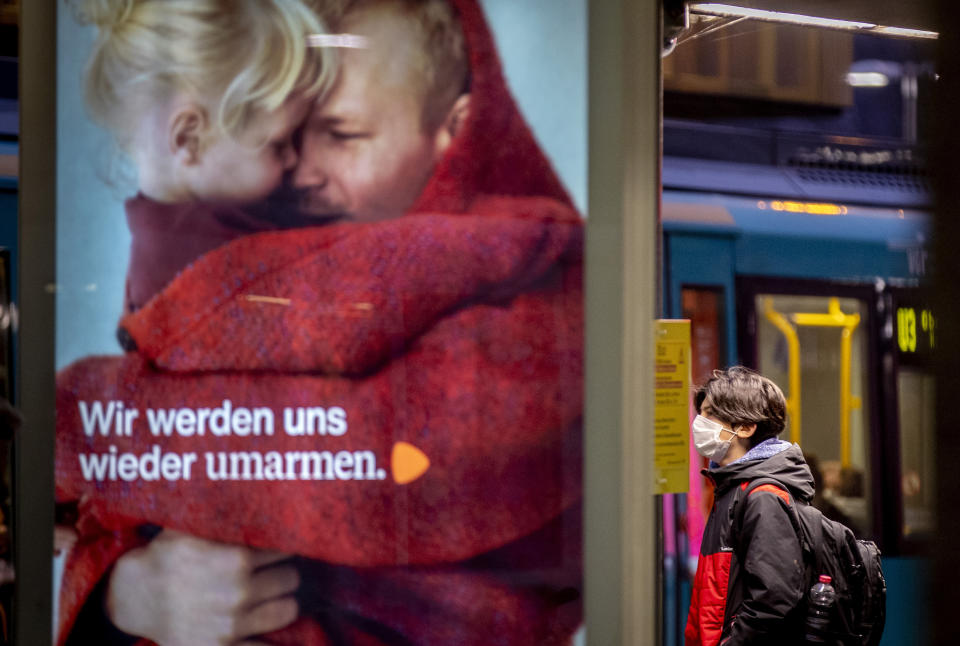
820	603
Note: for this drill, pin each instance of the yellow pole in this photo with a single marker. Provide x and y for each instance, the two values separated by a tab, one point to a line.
845	343
793	366
849	322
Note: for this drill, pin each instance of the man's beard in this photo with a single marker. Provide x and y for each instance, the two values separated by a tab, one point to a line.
290	208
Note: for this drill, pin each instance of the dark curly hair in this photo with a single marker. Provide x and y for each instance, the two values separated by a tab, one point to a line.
739	396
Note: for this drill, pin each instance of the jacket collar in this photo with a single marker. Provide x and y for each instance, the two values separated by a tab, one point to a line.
787	466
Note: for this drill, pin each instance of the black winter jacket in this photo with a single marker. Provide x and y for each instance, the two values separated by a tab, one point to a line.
750	575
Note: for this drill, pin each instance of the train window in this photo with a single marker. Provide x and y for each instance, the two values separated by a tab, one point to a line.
915	395
704	307
815	347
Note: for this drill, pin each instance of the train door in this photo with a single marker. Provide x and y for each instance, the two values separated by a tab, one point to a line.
816	340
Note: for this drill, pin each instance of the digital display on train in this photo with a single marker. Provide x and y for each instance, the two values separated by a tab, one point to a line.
915	327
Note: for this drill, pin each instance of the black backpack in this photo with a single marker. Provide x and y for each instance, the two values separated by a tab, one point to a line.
831	548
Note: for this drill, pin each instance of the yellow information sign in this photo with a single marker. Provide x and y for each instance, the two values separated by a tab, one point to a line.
671	426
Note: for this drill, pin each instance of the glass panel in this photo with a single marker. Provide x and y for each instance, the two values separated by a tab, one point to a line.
704	307
801	345
915	394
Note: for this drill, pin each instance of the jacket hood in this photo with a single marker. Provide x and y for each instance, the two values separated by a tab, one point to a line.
495	153
788	467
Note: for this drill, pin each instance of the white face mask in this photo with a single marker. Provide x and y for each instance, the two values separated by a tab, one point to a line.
706	437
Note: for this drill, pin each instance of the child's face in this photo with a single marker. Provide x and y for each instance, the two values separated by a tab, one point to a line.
247	170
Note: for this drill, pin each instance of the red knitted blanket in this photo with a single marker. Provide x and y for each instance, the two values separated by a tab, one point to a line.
404	393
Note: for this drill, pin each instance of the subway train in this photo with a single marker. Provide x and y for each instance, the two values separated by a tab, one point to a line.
805	256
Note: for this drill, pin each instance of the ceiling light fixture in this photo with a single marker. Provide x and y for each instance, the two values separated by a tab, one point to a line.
867	79
733	11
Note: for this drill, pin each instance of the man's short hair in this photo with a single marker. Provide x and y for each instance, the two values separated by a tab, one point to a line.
739	396
444	64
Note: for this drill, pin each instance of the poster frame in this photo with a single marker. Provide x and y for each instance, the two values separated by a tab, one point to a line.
624	183
33	449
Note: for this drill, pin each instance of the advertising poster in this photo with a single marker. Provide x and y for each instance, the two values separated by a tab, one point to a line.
319	321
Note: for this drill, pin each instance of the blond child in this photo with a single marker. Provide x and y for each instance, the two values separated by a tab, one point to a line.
203	96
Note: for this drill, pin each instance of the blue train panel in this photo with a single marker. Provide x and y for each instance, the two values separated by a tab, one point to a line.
8	164
789	238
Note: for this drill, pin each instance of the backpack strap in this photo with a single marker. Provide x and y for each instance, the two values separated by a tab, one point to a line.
809	533
770	485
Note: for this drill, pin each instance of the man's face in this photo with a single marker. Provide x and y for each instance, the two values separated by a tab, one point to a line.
365	152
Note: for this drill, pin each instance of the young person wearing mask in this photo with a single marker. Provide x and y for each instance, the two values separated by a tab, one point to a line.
750	574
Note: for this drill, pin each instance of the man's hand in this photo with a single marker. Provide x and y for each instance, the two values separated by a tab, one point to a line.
184	591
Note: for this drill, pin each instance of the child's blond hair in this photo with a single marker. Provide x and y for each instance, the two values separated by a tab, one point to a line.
248	55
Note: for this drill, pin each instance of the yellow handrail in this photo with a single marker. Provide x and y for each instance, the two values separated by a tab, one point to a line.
849	322
793	366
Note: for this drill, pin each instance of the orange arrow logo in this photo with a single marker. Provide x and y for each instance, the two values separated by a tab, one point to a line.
407	463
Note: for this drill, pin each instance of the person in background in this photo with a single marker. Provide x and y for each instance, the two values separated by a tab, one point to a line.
821	501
